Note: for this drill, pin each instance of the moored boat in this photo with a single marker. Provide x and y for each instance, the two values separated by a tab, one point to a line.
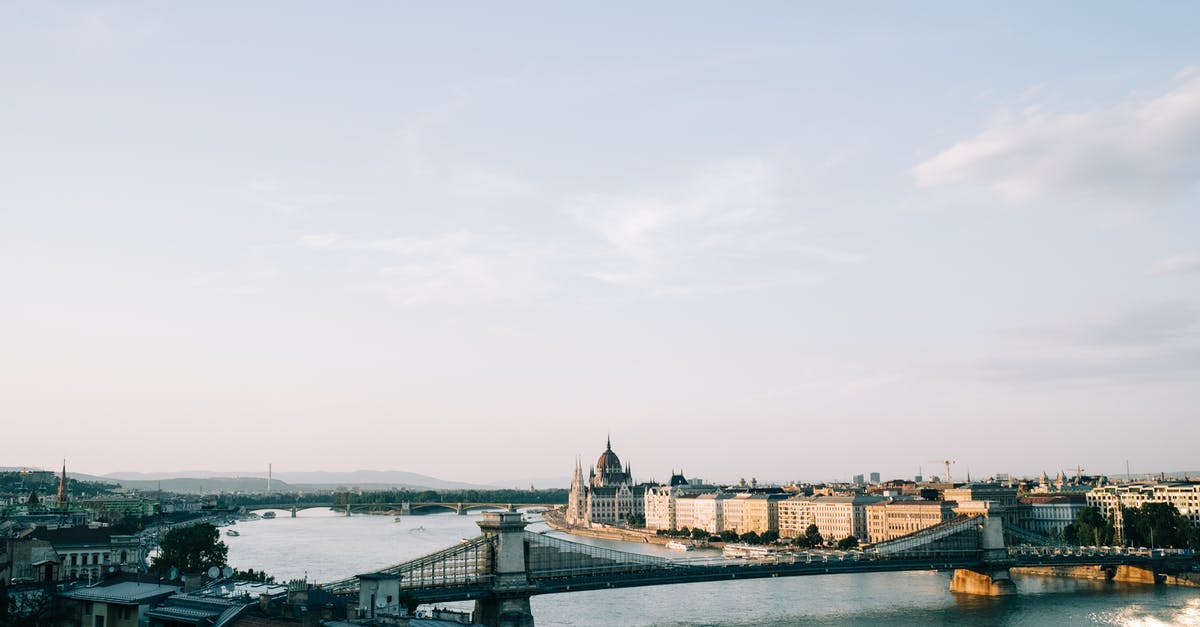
676	545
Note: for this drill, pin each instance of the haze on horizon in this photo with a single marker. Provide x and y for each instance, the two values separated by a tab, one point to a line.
781	241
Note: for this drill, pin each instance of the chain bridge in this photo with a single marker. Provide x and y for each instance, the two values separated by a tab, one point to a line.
403	508
504	566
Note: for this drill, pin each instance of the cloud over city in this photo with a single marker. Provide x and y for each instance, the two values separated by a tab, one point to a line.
1126	158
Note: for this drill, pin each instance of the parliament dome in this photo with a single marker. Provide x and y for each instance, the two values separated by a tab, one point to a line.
608	462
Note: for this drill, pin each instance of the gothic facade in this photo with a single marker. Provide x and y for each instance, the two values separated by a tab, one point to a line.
608	495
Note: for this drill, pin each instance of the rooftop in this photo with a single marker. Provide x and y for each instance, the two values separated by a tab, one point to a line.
126	592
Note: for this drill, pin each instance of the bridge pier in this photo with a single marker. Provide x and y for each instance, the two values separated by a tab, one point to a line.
508	604
1135	574
991	583
503	612
993	579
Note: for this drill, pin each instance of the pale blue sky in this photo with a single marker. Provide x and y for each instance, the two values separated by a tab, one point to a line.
781	240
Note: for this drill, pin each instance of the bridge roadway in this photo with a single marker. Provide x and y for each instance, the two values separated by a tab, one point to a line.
411	507
815	563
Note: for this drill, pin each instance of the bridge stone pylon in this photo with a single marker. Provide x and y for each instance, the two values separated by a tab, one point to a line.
993	577
508	604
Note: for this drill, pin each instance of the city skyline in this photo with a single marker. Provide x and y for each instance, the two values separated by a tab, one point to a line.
798	241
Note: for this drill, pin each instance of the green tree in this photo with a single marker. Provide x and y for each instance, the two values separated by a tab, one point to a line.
699	534
1156	525
729	535
1090	528
751	537
849	542
813	536
253	575
410	602
192	549
769	536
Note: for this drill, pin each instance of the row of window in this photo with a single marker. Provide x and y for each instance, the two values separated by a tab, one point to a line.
81	559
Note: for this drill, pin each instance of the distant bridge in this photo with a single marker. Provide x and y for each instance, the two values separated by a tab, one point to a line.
504	566
404	508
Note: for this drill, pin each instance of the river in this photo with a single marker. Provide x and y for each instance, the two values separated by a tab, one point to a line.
324	547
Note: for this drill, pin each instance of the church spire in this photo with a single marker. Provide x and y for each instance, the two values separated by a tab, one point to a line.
62	486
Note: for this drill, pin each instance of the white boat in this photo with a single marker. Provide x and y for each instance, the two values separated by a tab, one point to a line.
676	545
232	532
268	515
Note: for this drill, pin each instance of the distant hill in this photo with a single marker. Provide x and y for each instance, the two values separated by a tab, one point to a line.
195	485
315	480
539	483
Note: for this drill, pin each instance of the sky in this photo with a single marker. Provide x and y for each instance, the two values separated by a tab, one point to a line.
780	240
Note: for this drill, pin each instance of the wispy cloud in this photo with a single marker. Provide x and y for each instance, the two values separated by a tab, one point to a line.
700	213
720	230
1126	158
1149	341
454	267
1177	264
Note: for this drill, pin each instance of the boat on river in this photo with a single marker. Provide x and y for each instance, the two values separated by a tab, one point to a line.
676	545
268	515
232	532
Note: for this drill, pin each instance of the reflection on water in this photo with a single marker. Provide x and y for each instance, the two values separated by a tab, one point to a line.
327	546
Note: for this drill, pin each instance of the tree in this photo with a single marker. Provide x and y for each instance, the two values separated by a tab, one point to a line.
769	536
813	535
751	537
253	575
192	549
699	534
1090	528
1156	525
410	602
638	521
729	535
849	542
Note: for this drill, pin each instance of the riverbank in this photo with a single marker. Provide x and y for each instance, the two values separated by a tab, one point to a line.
557	521
1123	574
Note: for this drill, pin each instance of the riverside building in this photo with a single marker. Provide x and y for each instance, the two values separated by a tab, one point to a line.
1184	495
608	496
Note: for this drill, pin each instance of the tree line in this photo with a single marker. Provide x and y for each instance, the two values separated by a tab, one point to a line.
555	496
1154	525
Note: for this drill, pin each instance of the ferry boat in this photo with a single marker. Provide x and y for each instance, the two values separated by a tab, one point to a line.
751	551
676	545
268	515
232	532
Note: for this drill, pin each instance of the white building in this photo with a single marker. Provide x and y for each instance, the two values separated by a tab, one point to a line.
1050	515
1184	495
839	516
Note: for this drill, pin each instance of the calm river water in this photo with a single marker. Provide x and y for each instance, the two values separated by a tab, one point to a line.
327	547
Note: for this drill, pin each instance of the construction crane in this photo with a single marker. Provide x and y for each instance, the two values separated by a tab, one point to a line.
947	462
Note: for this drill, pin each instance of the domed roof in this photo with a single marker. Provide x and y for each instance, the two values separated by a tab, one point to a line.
608	462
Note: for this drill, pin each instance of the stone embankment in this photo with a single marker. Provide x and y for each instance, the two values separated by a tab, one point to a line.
557	520
1124	574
